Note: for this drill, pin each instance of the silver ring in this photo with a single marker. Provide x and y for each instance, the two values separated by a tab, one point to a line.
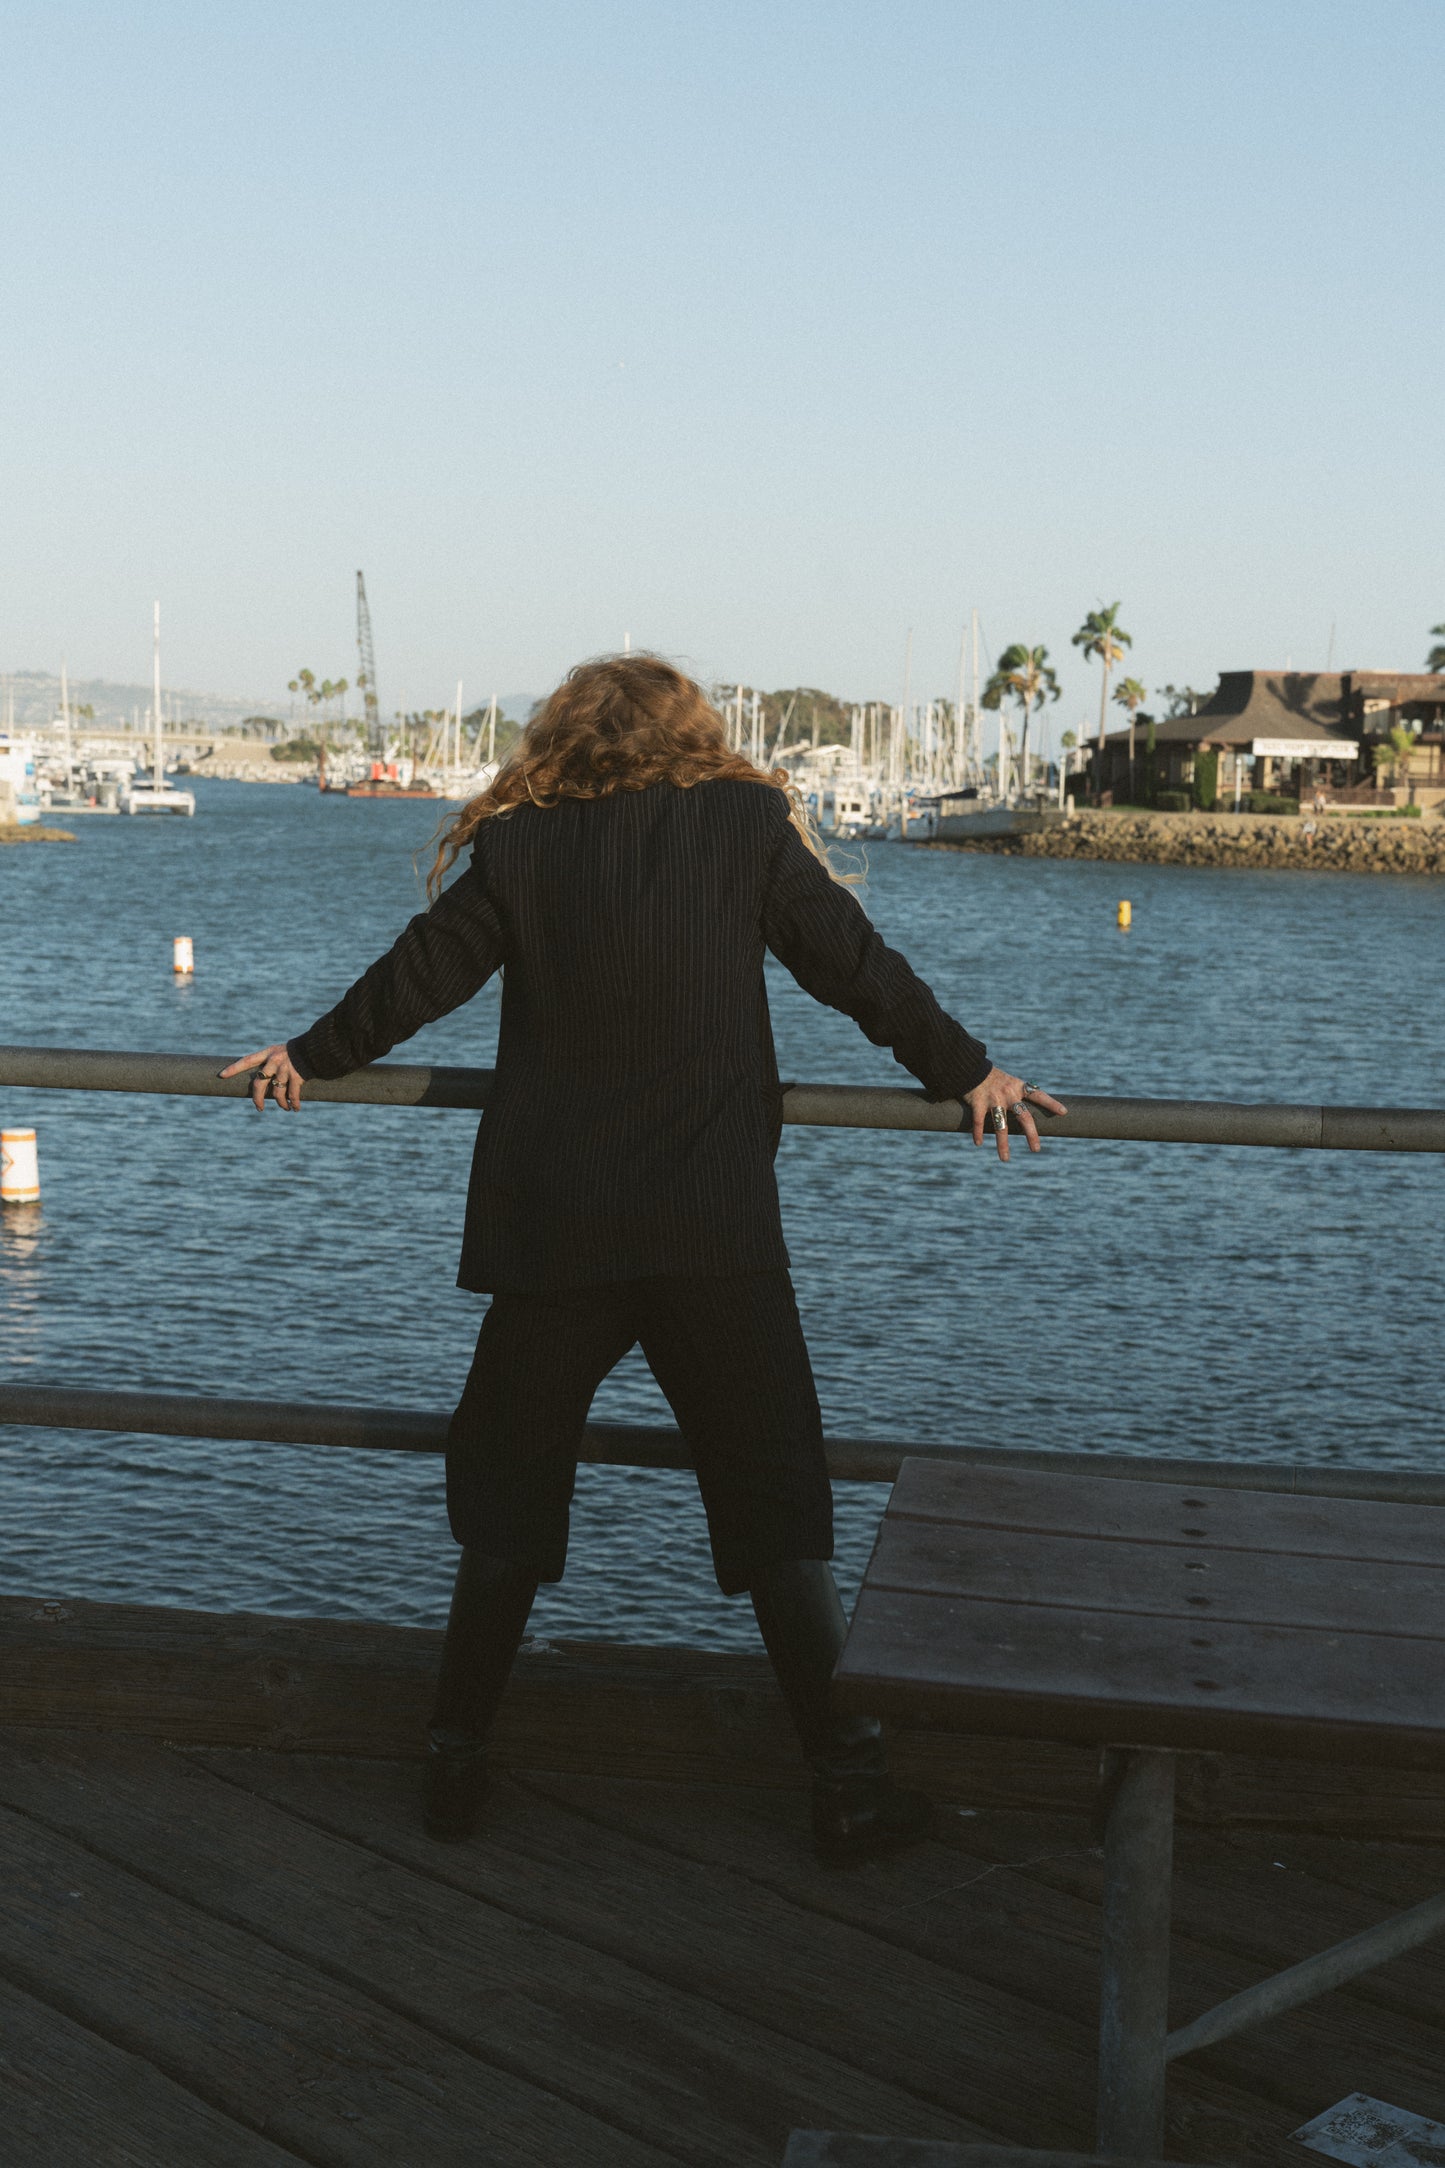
997	1116
1033	1087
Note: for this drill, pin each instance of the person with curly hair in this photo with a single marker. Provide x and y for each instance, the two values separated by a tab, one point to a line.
627	870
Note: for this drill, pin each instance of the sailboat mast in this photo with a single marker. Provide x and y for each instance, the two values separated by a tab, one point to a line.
160	724
960	717
977	726
65	717
457	734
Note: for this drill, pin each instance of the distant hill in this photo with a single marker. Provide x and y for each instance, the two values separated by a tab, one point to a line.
37	701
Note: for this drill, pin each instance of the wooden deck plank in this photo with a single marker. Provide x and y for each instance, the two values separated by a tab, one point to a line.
319	2068
67	2096
715	2087
1022	2070
1181	1683
1017	1906
1083	1505
1168	1580
700	1928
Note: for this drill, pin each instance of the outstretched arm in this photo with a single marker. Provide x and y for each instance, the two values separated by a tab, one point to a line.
820	931
439	961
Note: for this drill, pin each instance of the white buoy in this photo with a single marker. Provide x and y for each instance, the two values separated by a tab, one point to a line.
183	959
19	1167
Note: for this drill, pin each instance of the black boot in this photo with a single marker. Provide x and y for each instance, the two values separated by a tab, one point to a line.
490	1605
858	1812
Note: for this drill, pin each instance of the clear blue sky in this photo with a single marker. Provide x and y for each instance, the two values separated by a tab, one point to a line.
761	331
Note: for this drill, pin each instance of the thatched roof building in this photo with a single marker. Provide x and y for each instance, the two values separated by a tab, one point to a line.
1289	728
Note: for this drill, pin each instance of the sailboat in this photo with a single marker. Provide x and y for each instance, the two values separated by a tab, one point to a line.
153	797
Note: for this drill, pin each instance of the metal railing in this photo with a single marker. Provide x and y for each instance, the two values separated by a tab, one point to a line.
408	1430
649	1445
817	1106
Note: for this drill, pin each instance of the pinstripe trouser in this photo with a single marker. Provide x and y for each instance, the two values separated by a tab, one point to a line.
729	1354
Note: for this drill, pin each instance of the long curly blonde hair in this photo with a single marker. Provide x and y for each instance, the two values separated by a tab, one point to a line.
621	722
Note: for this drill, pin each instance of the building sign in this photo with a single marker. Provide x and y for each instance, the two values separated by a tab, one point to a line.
1305	748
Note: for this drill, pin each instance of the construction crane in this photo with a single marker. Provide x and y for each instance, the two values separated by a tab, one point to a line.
366	675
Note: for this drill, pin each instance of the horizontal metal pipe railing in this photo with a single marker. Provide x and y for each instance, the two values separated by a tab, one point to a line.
643	1445
823	1106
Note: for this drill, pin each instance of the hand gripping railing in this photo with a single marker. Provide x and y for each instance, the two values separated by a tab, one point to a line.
819	1106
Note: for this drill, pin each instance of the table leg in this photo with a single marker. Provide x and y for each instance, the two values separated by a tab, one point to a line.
1138	1787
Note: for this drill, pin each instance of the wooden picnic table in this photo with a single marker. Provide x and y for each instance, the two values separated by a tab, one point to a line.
1149	1619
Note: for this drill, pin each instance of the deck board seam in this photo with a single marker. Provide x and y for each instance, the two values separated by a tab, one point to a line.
884	1586
1366	1988
1154	1540
1200	1946
604	1948
365	1989
184	2083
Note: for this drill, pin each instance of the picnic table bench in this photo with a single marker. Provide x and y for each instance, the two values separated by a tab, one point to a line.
1150	1619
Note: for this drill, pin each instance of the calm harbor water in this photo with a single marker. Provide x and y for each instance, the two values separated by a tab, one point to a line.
1228	1303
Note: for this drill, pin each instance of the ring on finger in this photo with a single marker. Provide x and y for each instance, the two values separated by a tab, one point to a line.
998	1117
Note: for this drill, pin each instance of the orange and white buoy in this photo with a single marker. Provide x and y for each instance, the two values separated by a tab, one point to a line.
183	956
19	1167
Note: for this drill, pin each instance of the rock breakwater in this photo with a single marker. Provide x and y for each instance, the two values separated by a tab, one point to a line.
1339	844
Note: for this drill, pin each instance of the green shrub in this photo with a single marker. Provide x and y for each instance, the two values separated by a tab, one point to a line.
296	749
1266	801
1206	780
1172	801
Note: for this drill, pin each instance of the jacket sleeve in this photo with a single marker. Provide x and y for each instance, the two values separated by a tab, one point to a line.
439	961
820	931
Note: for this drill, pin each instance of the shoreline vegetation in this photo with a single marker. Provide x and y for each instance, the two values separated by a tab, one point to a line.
1328	842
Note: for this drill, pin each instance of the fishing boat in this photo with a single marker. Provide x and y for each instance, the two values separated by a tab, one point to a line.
390	779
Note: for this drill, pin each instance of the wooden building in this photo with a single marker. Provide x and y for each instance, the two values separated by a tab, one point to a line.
1289	733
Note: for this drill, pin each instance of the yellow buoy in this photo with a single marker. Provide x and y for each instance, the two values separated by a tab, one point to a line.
183	956
1126	914
19	1167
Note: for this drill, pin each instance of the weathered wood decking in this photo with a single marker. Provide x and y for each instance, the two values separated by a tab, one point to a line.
222	1956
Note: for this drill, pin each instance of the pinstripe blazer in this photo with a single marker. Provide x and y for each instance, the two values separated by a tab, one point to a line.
637	1107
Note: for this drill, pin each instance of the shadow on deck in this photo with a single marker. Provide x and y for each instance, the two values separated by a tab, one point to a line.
223	1956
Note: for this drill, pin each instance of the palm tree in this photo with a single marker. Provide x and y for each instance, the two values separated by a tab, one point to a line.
1024	674
1435	660
1131	694
1392	755
1101	634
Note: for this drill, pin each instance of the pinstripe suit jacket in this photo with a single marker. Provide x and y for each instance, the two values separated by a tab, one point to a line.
637	1107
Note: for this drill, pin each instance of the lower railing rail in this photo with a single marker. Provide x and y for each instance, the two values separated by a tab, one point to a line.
647	1445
